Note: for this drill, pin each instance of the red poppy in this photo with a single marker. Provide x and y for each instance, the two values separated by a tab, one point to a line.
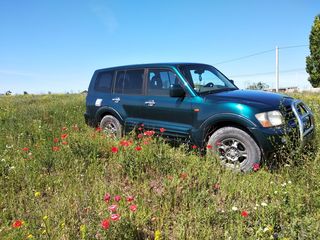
170	177
115	217
64	136
138	148
113	208
107	197
64	129
140	128
114	149
25	149
55	140
194	147
216	186
256	167
130	198
98	129
149	133
146	142
65	143
183	175
17	223
55	148
105	224
244	214
133	208
209	146
140	135
117	198
124	143
162	130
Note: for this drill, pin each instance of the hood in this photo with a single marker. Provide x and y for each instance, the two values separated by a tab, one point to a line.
267	99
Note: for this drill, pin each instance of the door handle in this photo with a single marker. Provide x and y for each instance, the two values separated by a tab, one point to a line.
116	100
150	103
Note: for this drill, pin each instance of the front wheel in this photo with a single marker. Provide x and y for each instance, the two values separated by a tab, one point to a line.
235	148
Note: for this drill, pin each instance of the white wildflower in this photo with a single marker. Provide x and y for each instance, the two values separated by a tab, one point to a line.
234	208
266	229
264	204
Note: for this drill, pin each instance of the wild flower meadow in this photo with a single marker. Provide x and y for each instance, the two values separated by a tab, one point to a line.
60	179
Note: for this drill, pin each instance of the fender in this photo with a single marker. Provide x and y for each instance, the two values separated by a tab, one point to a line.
108	110
227	117
198	135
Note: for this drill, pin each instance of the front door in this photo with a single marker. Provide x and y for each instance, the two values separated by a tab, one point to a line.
160	110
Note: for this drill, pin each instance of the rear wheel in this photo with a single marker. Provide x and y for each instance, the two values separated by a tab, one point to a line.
235	148
111	126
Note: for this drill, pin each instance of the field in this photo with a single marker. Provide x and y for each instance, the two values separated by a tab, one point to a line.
60	179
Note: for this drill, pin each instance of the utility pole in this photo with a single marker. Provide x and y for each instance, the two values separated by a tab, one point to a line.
277	69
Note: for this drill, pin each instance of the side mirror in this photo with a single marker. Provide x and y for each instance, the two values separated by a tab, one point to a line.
176	91
232	81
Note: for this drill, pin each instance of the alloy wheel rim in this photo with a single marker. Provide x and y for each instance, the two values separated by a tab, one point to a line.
232	152
110	129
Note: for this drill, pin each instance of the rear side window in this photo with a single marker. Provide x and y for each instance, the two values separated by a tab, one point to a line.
104	82
129	82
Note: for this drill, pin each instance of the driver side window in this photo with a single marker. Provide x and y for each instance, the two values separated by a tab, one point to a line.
159	81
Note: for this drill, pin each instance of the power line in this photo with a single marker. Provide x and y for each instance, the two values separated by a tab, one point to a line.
267	73
247	56
259	53
294	46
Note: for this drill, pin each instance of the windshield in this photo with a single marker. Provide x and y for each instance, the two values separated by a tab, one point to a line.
205	78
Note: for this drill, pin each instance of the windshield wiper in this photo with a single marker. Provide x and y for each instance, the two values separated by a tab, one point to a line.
217	90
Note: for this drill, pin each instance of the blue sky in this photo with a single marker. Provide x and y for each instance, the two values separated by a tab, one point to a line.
56	45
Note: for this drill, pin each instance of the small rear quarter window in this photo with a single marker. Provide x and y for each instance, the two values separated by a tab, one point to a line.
104	82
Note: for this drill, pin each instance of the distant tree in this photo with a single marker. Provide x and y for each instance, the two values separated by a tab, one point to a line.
25	93
313	60
8	92
49	92
258	86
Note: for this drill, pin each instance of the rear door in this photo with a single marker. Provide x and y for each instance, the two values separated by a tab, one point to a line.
160	110
128	96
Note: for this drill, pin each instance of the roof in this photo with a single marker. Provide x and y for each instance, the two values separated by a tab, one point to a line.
148	65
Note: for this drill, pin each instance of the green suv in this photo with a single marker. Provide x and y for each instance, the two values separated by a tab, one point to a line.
199	105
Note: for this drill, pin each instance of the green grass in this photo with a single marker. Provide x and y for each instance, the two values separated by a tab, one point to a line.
179	194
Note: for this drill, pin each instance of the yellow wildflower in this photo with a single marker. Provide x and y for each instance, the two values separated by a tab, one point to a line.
157	235
62	225
37	194
30	236
83	230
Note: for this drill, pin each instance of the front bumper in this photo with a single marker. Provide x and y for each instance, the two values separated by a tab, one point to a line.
300	133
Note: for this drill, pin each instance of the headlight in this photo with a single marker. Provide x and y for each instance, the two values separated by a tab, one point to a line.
270	119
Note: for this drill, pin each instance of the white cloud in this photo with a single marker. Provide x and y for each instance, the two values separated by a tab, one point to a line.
106	16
